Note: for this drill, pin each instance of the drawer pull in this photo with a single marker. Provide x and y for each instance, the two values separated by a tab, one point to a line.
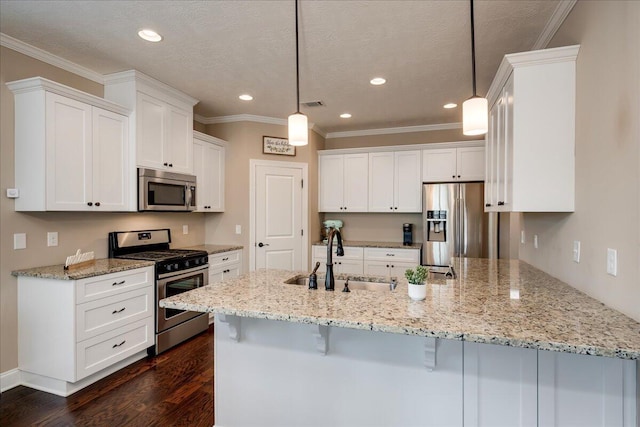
118	283
225	259
118	345
118	311
391	254
226	271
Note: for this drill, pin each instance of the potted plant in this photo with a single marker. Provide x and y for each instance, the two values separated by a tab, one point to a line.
417	285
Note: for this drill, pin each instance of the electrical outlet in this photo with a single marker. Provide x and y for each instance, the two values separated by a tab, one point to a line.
612	262
535	241
20	241
52	238
185	229
238	229
522	239
576	251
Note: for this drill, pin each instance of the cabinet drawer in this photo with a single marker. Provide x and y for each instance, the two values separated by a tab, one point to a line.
399	255
104	350
105	314
222	259
349	252
111	284
220	274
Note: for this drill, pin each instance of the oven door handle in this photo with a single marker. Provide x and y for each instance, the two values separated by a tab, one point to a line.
181	273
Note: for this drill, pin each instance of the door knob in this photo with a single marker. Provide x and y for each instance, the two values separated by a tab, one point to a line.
262	244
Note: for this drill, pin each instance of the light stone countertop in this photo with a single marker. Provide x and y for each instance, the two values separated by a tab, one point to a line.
371	244
215	249
101	267
490	301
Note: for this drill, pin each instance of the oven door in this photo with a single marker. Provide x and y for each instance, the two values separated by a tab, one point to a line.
170	284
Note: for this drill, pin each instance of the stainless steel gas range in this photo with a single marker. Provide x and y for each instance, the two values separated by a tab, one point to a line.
177	271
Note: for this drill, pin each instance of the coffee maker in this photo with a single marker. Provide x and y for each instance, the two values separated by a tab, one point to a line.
407	234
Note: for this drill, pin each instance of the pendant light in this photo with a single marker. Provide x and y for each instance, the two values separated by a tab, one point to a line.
298	127
474	109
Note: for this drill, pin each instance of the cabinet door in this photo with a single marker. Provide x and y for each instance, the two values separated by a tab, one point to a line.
439	165
397	269
356	182
68	154
377	268
348	266
381	182
491	161
407	182
179	140
111	168
150	132
507	158
216	179
330	192
200	170
470	163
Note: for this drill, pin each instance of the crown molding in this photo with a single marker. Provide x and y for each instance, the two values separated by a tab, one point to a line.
251	118
553	24
141	78
387	131
49	58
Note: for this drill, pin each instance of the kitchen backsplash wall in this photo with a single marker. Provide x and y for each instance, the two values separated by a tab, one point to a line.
85	231
607	211
380	227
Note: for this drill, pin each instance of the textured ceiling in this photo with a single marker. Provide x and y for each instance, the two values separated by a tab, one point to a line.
216	50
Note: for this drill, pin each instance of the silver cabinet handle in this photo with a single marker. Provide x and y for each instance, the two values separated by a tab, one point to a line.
118	311
118	283
118	345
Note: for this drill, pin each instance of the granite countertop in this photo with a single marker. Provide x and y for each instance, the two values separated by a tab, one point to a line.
490	301
215	249
370	244
101	267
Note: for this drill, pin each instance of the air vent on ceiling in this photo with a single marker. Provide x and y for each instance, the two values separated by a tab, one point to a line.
313	104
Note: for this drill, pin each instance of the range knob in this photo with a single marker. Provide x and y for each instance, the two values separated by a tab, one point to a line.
186	264
176	266
167	267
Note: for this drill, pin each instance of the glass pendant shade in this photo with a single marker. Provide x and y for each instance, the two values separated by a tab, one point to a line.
298	129
475	116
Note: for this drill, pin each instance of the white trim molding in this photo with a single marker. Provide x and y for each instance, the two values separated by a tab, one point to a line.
10	379
49	58
553	24
387	131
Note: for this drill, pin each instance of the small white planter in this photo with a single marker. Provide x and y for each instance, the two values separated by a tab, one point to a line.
417	292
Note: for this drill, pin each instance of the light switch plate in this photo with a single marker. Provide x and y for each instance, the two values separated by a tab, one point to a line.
52	238
535	241
612	262
238	229
20	241
576	251
185	229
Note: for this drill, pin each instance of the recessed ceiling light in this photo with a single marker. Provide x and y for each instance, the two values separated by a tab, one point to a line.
246	97
377	81
345	115
450	105
149	35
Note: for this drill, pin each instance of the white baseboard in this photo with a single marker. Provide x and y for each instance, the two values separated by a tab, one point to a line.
10	379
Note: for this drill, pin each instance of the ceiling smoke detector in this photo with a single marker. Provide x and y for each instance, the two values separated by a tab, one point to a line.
313	104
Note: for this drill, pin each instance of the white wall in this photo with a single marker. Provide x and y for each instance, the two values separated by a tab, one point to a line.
607	160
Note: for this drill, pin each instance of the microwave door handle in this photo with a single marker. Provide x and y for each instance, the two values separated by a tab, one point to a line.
188	196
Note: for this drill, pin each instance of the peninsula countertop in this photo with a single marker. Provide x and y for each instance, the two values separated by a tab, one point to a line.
506	302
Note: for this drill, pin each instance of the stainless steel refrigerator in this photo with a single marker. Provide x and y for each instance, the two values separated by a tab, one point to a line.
455	225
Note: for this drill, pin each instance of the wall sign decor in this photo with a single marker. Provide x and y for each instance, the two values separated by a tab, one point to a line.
275	145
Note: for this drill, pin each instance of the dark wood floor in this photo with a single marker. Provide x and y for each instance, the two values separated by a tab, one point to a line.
172	389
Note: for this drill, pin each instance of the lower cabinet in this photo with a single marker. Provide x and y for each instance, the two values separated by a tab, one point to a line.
225	265
350	263
69	330
388	262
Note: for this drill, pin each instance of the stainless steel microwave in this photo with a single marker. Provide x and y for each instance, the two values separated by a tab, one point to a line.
166	191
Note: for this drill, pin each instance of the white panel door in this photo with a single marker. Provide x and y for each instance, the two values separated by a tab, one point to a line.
331	185
69	154
407	182
470	163
150	131
279	218
111	171
381	179
216	178
439	165
179	141
355	180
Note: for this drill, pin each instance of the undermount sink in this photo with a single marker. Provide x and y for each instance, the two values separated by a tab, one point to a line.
373	285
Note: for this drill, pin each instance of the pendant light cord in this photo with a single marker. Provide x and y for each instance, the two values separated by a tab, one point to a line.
473	50
298	65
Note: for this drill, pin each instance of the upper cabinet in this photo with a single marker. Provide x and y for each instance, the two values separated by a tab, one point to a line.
208	165
72	150
394	181
163	118
530	162
453	164
343	182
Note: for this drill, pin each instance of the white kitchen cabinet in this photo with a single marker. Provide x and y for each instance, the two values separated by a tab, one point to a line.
388	262
453	164
531	138
208	166
72	333
72	150
343	182
394	181
225	265
350	263
163	120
